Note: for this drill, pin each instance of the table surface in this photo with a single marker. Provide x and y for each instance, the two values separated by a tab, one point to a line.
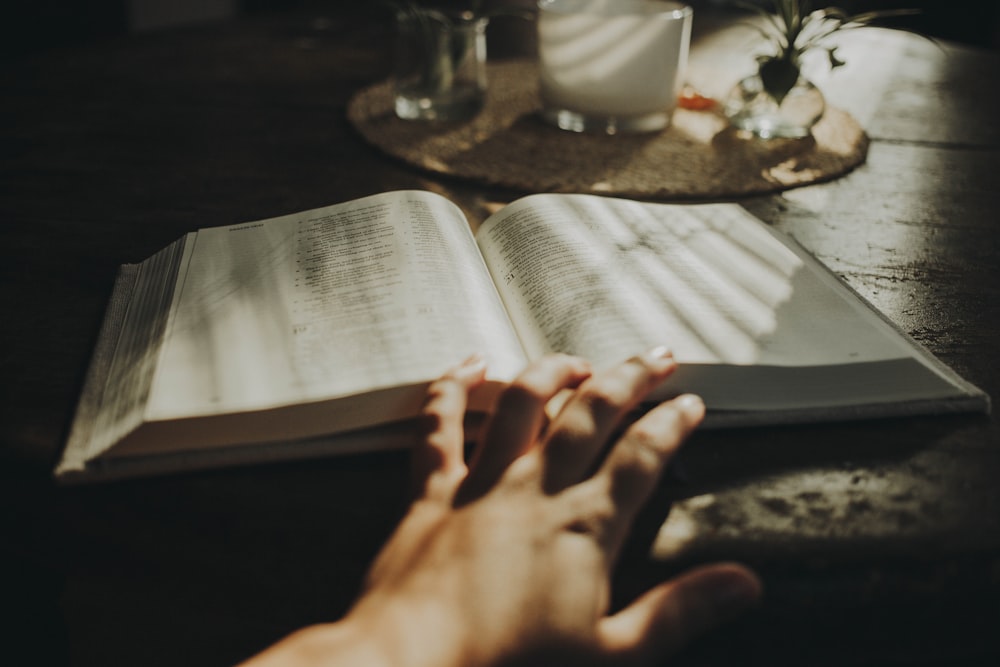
878	542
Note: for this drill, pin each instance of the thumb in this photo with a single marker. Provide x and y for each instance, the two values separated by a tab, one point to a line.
672	615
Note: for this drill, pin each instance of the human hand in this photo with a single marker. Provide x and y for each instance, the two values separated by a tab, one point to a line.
507	561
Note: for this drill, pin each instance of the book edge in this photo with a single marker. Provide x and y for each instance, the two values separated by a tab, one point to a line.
73	456
922	352
968	404
393	436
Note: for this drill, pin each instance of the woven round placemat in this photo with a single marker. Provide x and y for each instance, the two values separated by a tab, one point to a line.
698	156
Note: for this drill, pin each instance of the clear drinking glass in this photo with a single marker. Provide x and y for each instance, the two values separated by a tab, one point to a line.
612	65
440	69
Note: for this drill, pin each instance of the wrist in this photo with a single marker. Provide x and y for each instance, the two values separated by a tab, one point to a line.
417	633
333	644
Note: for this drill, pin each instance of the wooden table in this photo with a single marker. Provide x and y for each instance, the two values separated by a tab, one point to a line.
879	542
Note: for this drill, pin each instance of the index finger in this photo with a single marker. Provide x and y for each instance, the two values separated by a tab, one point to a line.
438	455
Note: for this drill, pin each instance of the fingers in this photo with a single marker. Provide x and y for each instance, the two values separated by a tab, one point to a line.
673	614
635	464
520	417
579	434
438	456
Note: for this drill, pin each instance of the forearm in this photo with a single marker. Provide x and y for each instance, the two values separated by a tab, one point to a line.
389	636
330	644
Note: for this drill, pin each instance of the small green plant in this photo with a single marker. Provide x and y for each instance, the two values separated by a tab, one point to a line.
794	27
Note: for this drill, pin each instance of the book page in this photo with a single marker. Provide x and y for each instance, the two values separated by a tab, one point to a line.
383	291
609	278
131	340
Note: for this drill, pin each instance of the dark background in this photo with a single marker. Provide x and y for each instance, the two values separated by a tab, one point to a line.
27	26
182	547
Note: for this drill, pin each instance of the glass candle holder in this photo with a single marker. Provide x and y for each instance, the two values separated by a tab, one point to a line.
440	64
612	65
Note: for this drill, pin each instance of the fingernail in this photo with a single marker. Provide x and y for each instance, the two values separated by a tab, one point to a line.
471	366
474	359
691	406
660	352
660	358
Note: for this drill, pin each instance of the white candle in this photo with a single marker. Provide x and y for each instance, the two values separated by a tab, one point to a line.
612	58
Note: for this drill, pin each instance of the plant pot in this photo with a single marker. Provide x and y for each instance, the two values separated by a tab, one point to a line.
751	108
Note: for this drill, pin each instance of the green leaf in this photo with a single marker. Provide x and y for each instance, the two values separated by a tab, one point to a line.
774	38
794	27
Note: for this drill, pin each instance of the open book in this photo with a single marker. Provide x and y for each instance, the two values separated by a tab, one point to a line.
318	332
